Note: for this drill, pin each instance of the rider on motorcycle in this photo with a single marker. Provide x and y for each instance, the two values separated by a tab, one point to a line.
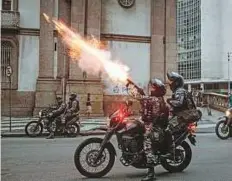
152	108
60	110
73	108
182	105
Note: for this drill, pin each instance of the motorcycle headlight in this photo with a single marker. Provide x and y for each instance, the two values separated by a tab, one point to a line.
228	114
40	113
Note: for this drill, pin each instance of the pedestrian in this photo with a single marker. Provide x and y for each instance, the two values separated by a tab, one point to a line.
88	105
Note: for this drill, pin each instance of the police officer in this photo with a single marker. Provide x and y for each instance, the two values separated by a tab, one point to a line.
72	109
60	110
179	102
152	107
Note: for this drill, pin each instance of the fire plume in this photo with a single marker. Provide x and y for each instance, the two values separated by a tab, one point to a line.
89	53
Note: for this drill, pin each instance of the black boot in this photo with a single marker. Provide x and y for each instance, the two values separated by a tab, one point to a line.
51	136
170	154
171	146
150	175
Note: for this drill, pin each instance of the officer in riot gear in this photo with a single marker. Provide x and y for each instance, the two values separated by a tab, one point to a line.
181	106
152	107
60	110
72	109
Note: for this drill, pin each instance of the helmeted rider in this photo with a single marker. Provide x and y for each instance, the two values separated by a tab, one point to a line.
152	108
60	110
181	105
72	108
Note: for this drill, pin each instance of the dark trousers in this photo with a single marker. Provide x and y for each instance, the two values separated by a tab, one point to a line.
68	117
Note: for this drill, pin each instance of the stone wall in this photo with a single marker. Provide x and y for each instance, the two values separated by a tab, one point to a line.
22	103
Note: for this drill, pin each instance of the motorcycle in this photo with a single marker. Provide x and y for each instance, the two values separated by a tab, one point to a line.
223	127
35	128
99	160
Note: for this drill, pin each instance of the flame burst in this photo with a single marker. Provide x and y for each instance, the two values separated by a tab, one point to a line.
91	56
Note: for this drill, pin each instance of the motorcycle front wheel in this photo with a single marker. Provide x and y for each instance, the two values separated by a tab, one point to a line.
86	164
34	129
222	130
183	159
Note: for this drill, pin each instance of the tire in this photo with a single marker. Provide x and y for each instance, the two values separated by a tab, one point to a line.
184	164
84	172
33	135
217	130
77	132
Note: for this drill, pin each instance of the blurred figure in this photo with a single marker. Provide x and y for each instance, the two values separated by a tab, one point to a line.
88	105
61	106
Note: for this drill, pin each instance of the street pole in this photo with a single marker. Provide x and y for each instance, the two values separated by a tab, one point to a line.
8	74
229	53
10	101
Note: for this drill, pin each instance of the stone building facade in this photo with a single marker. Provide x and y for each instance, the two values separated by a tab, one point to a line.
141	32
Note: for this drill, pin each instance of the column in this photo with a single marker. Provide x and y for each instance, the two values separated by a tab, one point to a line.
46	41
93	23
77	23
64	14
170	34
157	38
46	86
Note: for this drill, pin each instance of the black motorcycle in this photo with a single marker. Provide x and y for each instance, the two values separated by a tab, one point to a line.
223	128
95	157
35	128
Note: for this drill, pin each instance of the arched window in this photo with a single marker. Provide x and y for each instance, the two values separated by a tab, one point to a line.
8	57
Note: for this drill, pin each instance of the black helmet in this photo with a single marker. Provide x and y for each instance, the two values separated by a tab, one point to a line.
175	80
72	96
158	88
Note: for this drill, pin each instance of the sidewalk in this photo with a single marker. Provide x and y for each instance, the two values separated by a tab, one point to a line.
18	125
213	118
206	125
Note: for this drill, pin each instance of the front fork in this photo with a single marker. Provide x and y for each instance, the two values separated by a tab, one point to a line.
228	122
107	137
38	123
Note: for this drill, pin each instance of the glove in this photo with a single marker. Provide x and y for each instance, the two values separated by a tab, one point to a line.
50	114
169	100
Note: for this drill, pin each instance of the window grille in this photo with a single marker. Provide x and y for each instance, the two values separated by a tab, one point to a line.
6	57
6	5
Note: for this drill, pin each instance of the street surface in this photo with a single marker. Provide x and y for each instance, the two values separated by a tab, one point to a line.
39	159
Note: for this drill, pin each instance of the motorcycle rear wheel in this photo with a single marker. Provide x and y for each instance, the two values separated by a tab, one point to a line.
184	164
86	172
73	130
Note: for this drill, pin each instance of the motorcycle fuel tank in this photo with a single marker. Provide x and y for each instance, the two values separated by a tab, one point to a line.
132	127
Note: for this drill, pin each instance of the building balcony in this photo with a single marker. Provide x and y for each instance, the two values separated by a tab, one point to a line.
10	19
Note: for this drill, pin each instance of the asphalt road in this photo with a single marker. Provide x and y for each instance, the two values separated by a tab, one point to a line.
36	159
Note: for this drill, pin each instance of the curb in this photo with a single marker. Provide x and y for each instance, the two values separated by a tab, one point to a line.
18	135
86	133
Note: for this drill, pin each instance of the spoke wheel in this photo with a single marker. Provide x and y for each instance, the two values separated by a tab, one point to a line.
85	158
222	130
182	159
73	130
33	129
